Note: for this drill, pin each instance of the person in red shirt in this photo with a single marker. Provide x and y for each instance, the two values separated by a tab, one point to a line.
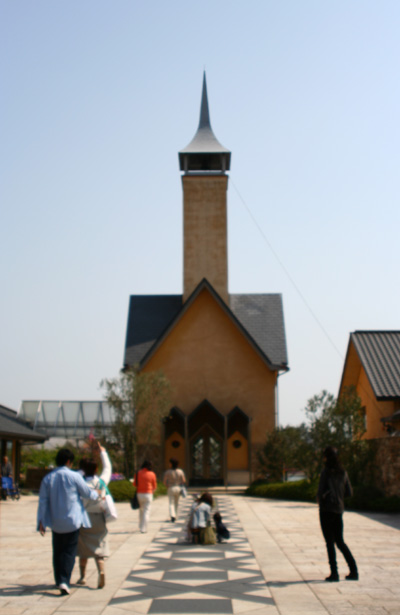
146	483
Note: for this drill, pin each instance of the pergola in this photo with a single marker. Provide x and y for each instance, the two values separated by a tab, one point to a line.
16	431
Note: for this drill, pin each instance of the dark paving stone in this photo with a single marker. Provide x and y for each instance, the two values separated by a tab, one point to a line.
187	606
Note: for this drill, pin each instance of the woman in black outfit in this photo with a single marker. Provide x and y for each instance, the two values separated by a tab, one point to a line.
334	486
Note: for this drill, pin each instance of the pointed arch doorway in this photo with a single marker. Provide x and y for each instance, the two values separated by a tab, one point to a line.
206	446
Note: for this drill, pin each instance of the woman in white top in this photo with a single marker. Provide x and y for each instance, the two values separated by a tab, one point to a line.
174	480
93	541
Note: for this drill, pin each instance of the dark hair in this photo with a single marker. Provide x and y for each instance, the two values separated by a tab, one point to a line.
90	467
217	517
82	464
174	462
332	459
63	456
207	498
147	464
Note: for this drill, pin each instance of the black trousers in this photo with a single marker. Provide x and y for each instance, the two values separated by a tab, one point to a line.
64	553
332	529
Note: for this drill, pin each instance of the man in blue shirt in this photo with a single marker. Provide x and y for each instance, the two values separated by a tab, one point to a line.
61	509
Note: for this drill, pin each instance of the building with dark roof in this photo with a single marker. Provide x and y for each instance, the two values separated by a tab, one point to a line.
221	352
14	432
372	366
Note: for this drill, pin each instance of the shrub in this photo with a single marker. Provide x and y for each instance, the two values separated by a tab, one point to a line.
371	499
299	491
364	498
123	490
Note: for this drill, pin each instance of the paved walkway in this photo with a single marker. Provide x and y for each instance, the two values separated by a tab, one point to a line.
274	564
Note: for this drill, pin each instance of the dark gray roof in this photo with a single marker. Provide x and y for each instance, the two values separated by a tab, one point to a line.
379	353
13	427
204	152
148	318
260	317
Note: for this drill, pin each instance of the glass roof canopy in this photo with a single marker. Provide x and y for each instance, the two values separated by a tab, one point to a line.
68	419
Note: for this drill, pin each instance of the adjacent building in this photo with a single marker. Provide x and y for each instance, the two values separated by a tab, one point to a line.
372	366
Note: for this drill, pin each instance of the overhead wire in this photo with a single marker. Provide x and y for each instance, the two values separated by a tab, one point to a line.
297	289
285	270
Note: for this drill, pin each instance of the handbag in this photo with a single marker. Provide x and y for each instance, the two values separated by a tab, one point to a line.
108	504
183	491
135	500
208	535
110	510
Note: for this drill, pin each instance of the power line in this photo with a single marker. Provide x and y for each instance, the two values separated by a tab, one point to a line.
285	270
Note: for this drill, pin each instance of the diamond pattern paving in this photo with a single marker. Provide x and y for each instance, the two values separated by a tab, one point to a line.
180	577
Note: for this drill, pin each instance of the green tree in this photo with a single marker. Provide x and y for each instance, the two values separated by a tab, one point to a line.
329	421
140	401
284	449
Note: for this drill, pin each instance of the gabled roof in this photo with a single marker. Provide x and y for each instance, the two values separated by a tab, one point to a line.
13	427
379	354
259	317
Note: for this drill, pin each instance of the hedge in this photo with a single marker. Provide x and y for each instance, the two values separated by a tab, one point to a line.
299	491
365	498
123	490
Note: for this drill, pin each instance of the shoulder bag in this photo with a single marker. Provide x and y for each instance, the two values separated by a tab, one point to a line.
135	501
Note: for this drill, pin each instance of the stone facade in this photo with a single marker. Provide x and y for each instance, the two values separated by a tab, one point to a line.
205	233
387	465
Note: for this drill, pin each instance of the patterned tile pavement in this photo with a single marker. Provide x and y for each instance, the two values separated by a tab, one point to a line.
184	578
274	564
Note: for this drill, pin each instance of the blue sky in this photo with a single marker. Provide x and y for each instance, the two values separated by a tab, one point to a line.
96	100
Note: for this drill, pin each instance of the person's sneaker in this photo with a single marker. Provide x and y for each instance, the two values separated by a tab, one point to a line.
333	578
172	519
352	576
64	589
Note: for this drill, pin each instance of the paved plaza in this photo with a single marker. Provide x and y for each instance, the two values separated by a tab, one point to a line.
274	564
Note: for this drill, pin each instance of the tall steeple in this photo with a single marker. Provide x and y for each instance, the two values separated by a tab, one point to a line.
204	163
204	152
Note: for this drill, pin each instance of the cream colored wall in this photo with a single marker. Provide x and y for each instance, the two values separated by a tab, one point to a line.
205	233
206	357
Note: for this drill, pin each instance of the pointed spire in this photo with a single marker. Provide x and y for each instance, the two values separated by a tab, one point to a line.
204	112
204	152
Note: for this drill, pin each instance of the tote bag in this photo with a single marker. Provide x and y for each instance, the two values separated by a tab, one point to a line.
135	501
108	504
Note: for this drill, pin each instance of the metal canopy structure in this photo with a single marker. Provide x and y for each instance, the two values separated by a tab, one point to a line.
204	152
68	419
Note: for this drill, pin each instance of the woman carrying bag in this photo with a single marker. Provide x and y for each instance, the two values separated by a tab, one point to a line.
93	541
146	483
174	480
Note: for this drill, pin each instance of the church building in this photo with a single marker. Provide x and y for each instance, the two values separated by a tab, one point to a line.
221	352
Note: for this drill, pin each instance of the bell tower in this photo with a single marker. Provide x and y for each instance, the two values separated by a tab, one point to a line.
204	163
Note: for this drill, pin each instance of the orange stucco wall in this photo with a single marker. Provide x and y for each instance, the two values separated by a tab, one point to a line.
176	453
205	356
375	410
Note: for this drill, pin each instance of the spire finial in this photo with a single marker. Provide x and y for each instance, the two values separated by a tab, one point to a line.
204	112
204	152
